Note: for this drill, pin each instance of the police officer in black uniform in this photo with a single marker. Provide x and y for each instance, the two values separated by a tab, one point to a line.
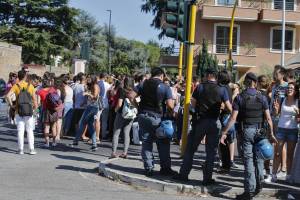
207	99
154	96
251	108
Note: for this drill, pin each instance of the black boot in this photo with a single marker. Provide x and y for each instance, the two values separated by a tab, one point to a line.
258	188
245	196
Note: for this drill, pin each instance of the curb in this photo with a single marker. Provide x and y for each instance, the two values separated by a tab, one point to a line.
177	188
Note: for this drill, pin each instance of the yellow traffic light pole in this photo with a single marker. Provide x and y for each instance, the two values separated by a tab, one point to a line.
189	71
180	61
231	34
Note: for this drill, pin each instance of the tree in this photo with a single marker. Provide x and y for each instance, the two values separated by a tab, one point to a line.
44	28
206	60
155	7
92	42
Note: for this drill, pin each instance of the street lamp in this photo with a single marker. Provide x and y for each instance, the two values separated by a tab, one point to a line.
283	34
108	43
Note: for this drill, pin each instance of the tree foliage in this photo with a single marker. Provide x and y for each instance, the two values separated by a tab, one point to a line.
206	60
44	28
126	55
156	8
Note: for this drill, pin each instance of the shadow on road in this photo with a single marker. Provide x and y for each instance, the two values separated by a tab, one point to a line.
75	158
7	150
77	169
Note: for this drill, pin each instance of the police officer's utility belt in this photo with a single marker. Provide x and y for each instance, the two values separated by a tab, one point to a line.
260	133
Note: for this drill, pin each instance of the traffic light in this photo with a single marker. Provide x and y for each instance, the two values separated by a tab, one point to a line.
177	14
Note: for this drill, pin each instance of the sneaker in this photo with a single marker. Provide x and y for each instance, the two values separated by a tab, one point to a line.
54	144
32	152
47	145
233	165
94	148
268	179
21	152
167	172
274	178
149	172
74	143
281	174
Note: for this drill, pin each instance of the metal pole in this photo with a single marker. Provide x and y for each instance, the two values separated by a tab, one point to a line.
283	34
189	72
231	35
108	43
180	61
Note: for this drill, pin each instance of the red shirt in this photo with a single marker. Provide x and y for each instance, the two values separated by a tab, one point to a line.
43	94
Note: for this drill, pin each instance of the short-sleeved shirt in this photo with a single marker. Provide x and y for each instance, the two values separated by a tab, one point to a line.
23	85
43	95
78	96
164	92
200	88
238	101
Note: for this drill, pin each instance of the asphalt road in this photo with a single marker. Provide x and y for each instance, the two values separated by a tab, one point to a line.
61	173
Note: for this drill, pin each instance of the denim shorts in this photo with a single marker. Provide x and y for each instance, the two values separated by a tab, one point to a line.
287	134
231	136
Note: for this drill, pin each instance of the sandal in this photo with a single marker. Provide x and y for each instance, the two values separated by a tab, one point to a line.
123	155
113	156
85	139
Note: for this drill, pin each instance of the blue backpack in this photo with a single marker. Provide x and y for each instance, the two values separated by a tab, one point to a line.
53	100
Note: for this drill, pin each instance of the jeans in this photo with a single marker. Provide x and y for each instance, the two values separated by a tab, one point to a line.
148	123
254	165
67	107
67	121
25	123
104	122
88	118
211	128
125	124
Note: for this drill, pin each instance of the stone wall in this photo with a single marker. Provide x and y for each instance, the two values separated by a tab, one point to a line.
10	59
40	69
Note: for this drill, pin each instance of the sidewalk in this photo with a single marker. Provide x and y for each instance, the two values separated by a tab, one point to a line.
131	171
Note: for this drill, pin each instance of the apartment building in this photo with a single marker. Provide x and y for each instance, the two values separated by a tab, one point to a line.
256	36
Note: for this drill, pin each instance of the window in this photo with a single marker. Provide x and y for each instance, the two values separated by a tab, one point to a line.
276	39
226	2
278	4
222	39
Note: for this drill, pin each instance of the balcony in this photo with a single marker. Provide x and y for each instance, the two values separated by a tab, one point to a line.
275	16
224	13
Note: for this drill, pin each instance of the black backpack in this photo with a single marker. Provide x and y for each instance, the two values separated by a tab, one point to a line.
25	107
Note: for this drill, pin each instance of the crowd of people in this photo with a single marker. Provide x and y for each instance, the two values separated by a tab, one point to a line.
96	107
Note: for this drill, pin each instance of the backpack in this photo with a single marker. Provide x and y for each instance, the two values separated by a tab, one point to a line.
25	107
129	111
52	100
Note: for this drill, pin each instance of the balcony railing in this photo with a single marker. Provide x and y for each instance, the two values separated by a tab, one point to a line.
225	48
289	5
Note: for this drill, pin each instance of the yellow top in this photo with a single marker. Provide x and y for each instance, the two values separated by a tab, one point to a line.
23	85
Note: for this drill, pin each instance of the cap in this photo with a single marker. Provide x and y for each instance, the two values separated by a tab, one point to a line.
251	76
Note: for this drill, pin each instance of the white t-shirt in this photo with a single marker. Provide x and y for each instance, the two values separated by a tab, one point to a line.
288	115
78	96
69	94
105	99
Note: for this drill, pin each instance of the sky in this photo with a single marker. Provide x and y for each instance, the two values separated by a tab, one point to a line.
127	18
